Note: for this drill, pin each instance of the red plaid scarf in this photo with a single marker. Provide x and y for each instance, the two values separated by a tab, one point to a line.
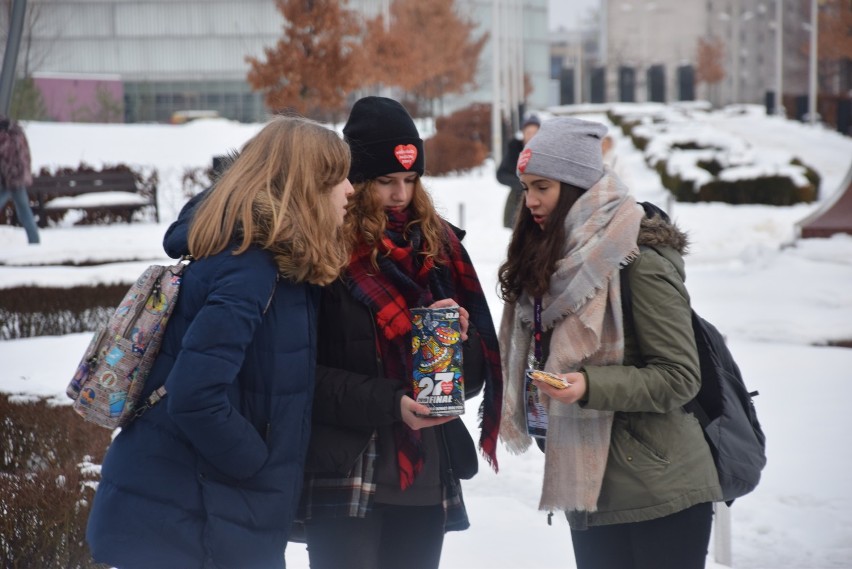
404	281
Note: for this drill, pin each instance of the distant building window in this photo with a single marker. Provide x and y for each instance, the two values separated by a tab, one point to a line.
556	64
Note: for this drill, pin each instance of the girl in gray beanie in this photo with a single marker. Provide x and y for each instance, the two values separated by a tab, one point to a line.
627	465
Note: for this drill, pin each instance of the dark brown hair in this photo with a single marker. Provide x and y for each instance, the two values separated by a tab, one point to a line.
533	252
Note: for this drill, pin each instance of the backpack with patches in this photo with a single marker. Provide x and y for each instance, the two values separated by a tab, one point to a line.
723	406
109	380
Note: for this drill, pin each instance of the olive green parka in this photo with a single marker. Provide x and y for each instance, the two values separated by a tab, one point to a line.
658	462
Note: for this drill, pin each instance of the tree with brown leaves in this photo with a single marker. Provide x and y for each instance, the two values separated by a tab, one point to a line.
709	66
427	49
315	64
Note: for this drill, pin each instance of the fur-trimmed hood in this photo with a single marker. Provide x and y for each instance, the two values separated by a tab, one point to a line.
659	231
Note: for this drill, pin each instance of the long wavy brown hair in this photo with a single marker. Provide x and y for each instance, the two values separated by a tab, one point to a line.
366	221
533	252
276	195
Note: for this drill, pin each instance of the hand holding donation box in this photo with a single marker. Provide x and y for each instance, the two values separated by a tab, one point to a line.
436	348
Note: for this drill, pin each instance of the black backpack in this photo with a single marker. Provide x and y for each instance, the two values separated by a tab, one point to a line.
723	406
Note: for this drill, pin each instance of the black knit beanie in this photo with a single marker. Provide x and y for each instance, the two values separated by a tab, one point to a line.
383	139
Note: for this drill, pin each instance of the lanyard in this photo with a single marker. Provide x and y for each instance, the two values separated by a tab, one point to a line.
538	363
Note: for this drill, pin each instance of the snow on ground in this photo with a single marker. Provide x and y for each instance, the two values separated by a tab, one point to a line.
778	300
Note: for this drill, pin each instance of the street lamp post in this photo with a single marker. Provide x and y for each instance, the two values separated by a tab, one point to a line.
10	56
736	51
779	57
518	19
578	69
496	91
812	76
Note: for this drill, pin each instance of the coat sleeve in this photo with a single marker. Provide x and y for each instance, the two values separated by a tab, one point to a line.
507	172
663	331
211	356
350	399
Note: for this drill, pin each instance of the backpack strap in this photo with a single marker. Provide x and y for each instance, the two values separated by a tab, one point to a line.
652	210
158	394
692	406
152	400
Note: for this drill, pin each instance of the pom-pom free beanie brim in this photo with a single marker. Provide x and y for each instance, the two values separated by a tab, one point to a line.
565	149
383	139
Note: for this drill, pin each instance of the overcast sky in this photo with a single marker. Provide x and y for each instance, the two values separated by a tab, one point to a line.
569	13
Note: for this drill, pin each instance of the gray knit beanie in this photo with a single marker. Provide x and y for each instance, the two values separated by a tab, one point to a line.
565	149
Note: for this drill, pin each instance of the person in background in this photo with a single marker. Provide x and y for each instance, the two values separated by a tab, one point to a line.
210	476
382	478
608	151
16	175
610	157
628	466
506	173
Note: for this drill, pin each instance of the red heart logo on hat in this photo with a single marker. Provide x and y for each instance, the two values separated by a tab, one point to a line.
406	154
523	159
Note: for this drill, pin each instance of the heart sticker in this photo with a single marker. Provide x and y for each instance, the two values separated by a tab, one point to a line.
523	159
406	154
447	387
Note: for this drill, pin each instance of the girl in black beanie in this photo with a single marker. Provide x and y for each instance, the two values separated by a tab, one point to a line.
382	478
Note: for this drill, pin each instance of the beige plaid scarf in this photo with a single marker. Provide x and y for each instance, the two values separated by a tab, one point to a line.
583	307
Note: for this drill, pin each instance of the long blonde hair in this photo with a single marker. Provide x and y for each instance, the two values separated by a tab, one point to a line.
276	195
366	221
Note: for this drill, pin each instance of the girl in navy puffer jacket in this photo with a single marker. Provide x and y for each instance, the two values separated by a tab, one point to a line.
211	476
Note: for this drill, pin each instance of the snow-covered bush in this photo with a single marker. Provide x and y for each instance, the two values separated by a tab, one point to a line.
697	162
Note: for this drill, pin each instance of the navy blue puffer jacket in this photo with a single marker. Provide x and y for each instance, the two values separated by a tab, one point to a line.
211	476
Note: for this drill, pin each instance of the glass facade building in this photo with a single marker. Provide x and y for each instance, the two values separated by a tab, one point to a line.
177	55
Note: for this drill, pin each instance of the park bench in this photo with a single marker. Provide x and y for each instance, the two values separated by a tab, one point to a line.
111	195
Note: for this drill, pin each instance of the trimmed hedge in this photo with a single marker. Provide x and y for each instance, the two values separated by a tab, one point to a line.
768	190
26	312
46	485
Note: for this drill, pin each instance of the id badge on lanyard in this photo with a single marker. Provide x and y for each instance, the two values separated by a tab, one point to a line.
536	413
